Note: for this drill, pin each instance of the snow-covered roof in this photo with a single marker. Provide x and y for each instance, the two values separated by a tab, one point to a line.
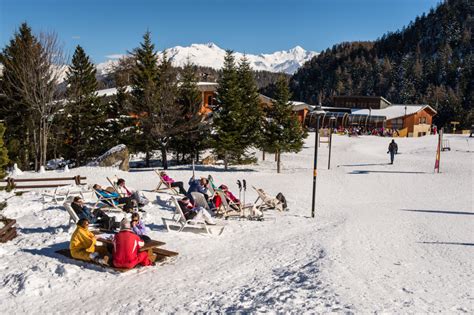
112	91
295	104
393	111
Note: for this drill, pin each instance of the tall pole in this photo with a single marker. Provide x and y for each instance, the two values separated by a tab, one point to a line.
315	168
330	146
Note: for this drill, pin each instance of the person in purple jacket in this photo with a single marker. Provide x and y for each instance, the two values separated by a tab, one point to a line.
139	228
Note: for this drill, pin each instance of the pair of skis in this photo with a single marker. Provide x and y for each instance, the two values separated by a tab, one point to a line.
242	185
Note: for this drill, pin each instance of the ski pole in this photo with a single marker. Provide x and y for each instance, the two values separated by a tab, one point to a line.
245	188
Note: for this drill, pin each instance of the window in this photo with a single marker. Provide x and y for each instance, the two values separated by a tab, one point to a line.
422	120
397	123
209	100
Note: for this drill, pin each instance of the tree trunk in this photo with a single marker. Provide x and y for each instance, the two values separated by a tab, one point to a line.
164	157
226	162
263	155
276	156
36	151
278	161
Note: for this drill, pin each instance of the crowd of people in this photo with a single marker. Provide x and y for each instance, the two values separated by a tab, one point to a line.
363	131
124	253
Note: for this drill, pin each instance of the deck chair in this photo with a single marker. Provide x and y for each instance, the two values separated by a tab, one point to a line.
105	203
212	187
267	201
113	182
230	209
180	220
200	200
166	187
61	193
73	218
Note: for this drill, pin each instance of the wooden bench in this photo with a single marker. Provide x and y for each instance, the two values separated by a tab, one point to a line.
12	183
8	231
64	186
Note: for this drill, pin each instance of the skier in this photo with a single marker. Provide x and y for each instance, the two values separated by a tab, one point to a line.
392	149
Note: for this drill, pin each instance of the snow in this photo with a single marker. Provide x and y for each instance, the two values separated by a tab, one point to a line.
211	55
386	238
16	171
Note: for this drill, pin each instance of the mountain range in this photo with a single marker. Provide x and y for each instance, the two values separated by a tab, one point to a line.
211	55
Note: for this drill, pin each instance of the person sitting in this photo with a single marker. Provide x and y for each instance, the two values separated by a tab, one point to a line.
229	196
96	216
172	183
116	199
126	246
130	192
82	245
193	212
139	228
198	185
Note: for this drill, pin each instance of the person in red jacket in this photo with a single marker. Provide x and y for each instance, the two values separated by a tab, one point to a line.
126	245
229	196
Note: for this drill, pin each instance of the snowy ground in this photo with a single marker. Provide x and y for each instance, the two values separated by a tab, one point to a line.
386	238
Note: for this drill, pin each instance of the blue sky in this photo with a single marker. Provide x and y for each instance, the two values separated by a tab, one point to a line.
105	27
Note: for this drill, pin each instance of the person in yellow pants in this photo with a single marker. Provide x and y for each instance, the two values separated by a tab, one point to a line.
83	246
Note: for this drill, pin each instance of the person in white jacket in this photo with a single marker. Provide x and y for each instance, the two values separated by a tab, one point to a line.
126	191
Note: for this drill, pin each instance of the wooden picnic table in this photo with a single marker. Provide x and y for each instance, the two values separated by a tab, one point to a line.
149	245
152	247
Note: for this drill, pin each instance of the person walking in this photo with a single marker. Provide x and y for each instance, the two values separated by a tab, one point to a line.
392	149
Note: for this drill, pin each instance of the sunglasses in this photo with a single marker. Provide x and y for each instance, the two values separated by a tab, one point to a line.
134	220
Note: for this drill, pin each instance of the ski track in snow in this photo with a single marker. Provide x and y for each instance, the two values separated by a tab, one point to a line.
386	238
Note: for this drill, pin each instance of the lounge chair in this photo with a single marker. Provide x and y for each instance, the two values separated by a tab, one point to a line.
230	209
267	201
73	218
113	181
61	193
166	186
107	203
200	200
180	220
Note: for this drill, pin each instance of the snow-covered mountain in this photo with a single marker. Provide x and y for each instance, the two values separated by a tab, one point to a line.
211	55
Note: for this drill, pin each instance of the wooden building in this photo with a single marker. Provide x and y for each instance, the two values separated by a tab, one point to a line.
208	92
416	119
300	109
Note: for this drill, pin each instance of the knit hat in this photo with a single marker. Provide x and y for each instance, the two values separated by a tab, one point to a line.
224	187
125	224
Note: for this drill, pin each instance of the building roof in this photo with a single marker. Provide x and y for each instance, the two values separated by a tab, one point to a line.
112	91
297	106
394	111
207	86
202	86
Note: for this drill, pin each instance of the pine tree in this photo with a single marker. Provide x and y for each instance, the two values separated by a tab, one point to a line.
189	102
168	115
3	152
14	110
227	116
86	114
144	101
250	112
282	132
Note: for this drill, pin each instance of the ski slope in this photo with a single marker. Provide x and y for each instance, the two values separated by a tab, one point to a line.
386	238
